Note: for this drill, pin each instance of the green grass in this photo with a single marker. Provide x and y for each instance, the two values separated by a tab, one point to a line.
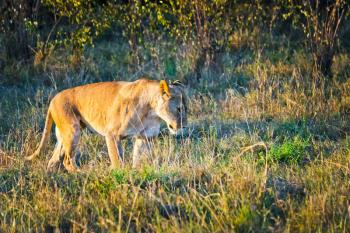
290	150
203	181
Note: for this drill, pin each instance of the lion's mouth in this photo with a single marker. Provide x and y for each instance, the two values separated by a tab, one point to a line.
176	131
172	129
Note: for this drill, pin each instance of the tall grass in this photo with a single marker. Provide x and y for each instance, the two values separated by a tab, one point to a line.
215	178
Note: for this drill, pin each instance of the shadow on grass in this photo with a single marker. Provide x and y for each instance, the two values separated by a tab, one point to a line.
319	129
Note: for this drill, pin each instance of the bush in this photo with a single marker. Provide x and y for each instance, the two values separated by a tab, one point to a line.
290	151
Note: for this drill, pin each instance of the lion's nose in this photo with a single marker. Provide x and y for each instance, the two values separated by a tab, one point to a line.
171	127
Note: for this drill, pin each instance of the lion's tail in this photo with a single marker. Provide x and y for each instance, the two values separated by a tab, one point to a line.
46	134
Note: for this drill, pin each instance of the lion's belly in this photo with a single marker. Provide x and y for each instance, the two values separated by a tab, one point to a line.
149	127
96	128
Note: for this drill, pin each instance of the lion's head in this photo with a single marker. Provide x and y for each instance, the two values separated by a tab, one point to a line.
172	105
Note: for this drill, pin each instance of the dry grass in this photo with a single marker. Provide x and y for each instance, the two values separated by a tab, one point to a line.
204	181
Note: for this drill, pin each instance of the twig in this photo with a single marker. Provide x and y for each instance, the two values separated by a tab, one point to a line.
337	128
292	102
337	165
250	148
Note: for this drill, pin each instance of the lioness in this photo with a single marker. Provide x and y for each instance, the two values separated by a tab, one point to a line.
115	110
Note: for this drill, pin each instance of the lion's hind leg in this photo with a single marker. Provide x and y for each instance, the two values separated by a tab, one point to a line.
56	158
70	139
68	125
58	154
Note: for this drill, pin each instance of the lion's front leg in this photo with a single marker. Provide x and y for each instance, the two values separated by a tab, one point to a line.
141	148
115	151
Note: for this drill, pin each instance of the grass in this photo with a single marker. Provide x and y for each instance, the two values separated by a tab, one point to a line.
203	181
290	151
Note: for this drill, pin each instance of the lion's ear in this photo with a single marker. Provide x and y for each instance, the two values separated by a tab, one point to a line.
164	87
178	83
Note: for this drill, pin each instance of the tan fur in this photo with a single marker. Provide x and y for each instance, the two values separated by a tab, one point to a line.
115	110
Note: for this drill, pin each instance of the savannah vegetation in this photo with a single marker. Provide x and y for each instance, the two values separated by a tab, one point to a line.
267	148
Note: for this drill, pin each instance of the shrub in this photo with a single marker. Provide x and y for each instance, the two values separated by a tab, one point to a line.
290	151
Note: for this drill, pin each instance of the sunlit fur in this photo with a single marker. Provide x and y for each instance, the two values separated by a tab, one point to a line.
115	110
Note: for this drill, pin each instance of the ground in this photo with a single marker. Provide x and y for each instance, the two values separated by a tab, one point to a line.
266	150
